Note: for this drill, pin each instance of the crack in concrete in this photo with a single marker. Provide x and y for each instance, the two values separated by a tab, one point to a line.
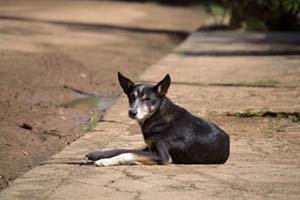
137	196
132	176
111	182
237	84
59	184
126	174
108	185
89	184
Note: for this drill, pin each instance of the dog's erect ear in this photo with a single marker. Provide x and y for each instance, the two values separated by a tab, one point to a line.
126	83
162	87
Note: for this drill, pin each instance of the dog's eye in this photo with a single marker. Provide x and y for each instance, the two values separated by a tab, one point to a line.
147	99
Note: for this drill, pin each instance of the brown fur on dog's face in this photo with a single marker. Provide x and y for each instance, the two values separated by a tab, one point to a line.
144	99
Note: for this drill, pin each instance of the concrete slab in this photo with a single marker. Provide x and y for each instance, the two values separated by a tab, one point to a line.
204	100
264	59
264	161
259	168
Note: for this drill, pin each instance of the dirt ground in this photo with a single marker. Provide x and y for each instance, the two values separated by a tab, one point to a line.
58	64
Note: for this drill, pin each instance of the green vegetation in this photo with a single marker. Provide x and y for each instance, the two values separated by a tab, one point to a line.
88	101
182	52
260	83
247	114
250	14
92	123
264	14
294	116
215	7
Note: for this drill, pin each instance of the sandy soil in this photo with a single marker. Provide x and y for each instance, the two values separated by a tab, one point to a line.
55	52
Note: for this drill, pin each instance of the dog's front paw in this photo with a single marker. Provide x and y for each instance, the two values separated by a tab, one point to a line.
95	155
103	163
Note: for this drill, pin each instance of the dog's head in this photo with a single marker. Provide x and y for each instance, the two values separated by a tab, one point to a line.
144	99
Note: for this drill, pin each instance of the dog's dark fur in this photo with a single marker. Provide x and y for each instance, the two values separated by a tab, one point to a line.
171	133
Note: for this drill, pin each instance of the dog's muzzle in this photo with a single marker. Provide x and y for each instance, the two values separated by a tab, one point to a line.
132	113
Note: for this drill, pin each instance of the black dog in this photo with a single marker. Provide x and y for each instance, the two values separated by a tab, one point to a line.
171	133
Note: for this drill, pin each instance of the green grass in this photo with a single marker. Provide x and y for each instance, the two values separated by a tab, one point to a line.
89	101
247	114
211	7
260	83
293	116
217	9
182	52
92	123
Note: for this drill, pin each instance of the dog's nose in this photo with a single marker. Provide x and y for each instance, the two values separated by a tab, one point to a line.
132	113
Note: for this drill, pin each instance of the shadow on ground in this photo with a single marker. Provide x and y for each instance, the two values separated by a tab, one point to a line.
102	27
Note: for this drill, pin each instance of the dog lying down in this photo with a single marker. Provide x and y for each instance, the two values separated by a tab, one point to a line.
171	133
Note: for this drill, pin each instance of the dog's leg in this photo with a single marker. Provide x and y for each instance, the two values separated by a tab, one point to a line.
163	154
133	158
96	155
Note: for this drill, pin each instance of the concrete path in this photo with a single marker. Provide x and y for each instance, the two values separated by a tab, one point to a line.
220	76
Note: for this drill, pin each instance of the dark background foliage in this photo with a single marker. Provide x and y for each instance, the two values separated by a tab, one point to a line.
265	14
251	14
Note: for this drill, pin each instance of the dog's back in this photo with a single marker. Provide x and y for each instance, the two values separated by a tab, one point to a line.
188	139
